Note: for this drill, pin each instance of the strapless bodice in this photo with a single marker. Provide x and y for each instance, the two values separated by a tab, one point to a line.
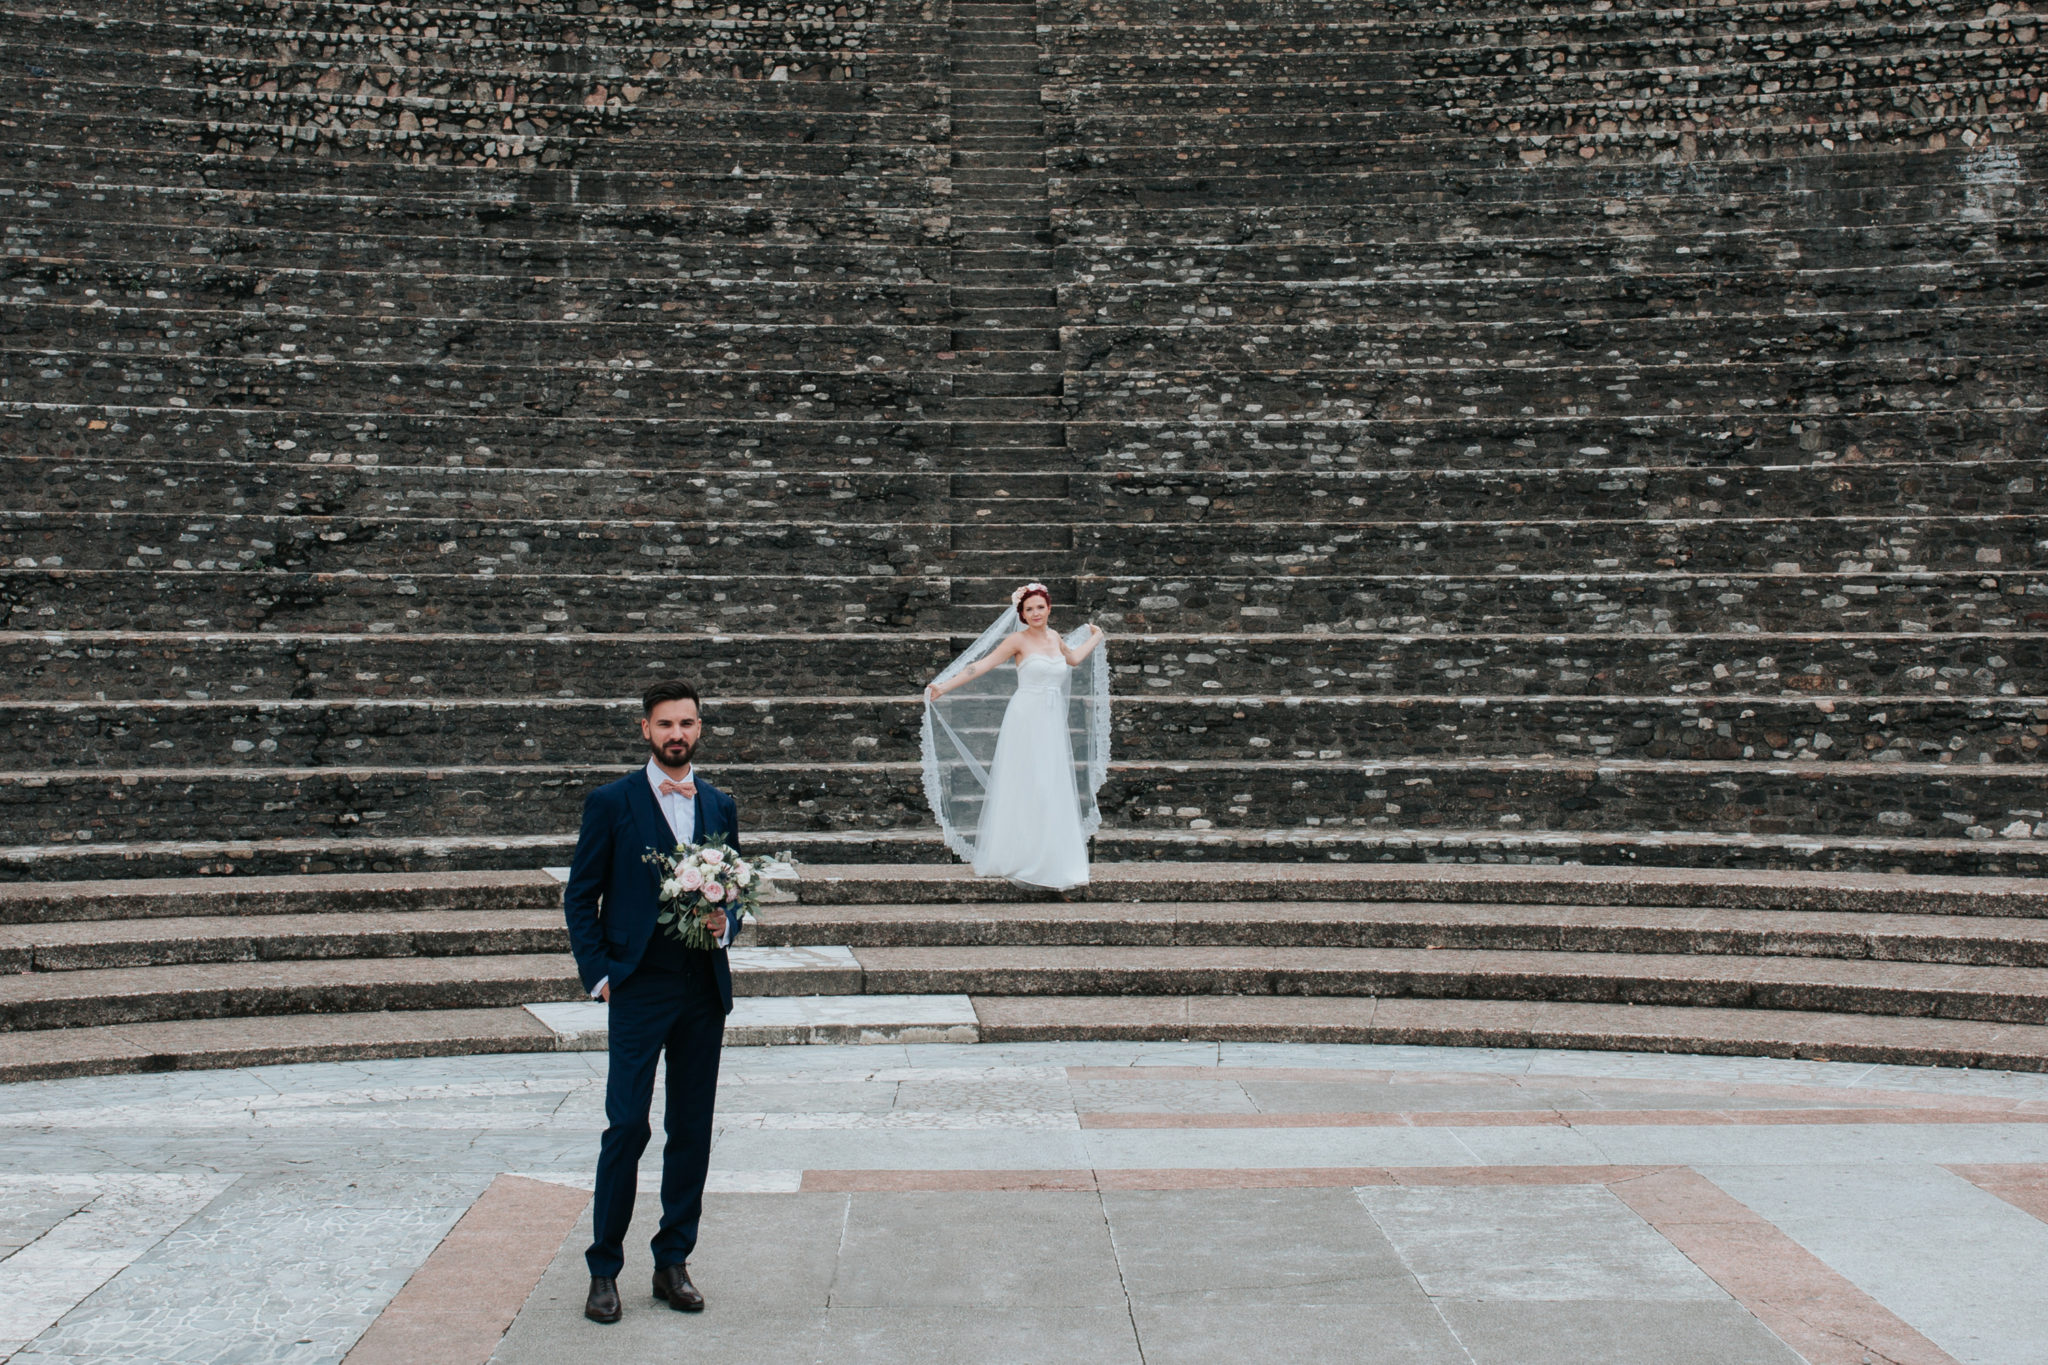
1041	672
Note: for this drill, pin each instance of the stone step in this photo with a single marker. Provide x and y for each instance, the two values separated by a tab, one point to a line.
1020	179
52	287
107	945
274	1040
1021	265
299	978
1905	800
977	125
293	1039
1031	320
1006	385
1006	339
1647	930
827	889
32	483
241	898
994	141
993	435
1717	670
993	72
1654	849
128	602
163	735
2013	995
84	999
1004	296
1384	185
980	158
1485	1023
1424	441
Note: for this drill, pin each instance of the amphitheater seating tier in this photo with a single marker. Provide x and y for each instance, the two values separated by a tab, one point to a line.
1597	434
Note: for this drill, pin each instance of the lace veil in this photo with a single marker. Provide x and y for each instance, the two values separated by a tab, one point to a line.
960	732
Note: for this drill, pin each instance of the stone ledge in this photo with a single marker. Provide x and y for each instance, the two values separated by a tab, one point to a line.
1674	849
1473	1023
276	1041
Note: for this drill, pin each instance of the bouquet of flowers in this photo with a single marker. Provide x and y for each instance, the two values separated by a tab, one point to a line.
698	879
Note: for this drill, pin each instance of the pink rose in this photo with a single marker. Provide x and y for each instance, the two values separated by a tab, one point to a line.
713	892
691	878
713	856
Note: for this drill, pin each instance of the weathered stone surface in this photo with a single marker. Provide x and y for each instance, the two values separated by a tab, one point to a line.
1557	414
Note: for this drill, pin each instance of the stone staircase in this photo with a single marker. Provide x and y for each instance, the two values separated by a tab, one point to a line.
154	975
1533	436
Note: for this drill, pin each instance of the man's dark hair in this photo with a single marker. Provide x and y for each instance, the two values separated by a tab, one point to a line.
668	689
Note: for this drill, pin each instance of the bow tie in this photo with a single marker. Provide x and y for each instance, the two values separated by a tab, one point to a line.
687	787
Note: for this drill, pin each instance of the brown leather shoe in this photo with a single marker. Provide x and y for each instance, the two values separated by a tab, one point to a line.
603	1303
672	1283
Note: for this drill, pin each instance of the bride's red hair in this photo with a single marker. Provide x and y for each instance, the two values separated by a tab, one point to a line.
1032	590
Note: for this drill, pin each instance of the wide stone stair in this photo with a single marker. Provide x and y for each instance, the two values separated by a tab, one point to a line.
153	975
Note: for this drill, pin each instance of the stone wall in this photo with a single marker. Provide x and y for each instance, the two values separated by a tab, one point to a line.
1595	433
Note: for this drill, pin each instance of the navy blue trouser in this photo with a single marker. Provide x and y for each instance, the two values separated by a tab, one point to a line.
652	1011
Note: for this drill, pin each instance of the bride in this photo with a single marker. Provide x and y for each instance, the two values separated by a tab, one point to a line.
1016	746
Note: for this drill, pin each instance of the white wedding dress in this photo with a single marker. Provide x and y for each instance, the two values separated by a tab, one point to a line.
1013	760
1030	824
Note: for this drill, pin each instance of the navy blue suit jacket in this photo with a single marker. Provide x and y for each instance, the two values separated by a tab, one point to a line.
613	895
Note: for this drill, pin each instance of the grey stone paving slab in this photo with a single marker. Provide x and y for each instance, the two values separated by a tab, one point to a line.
1614	1333
981	1336
1252	1247
28	1212
799	1097
740	1269
933	1250
1959	1264
293	1268
986	1095
1544	1243
1400	1332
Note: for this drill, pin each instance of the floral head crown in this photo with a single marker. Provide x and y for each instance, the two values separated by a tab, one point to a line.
1017	597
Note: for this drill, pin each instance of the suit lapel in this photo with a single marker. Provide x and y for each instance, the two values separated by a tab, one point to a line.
704	810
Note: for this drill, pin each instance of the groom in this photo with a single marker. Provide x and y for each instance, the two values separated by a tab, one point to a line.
663	996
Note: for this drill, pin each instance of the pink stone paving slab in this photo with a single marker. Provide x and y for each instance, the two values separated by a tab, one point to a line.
458	1304
1814	1310
1561	1118
1207	1178
891	1182
2024	1185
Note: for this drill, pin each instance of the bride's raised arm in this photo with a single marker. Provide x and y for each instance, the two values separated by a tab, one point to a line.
1005	650
1074	656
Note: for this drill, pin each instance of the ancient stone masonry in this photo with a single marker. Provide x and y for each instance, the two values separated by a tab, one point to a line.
1545	433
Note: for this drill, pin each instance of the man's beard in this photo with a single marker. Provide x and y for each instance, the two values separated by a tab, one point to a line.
664	755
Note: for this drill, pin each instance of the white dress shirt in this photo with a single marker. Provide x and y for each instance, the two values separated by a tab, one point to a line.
681	813
679	810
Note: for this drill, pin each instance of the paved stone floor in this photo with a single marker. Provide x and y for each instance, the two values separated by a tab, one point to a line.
1069	1202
